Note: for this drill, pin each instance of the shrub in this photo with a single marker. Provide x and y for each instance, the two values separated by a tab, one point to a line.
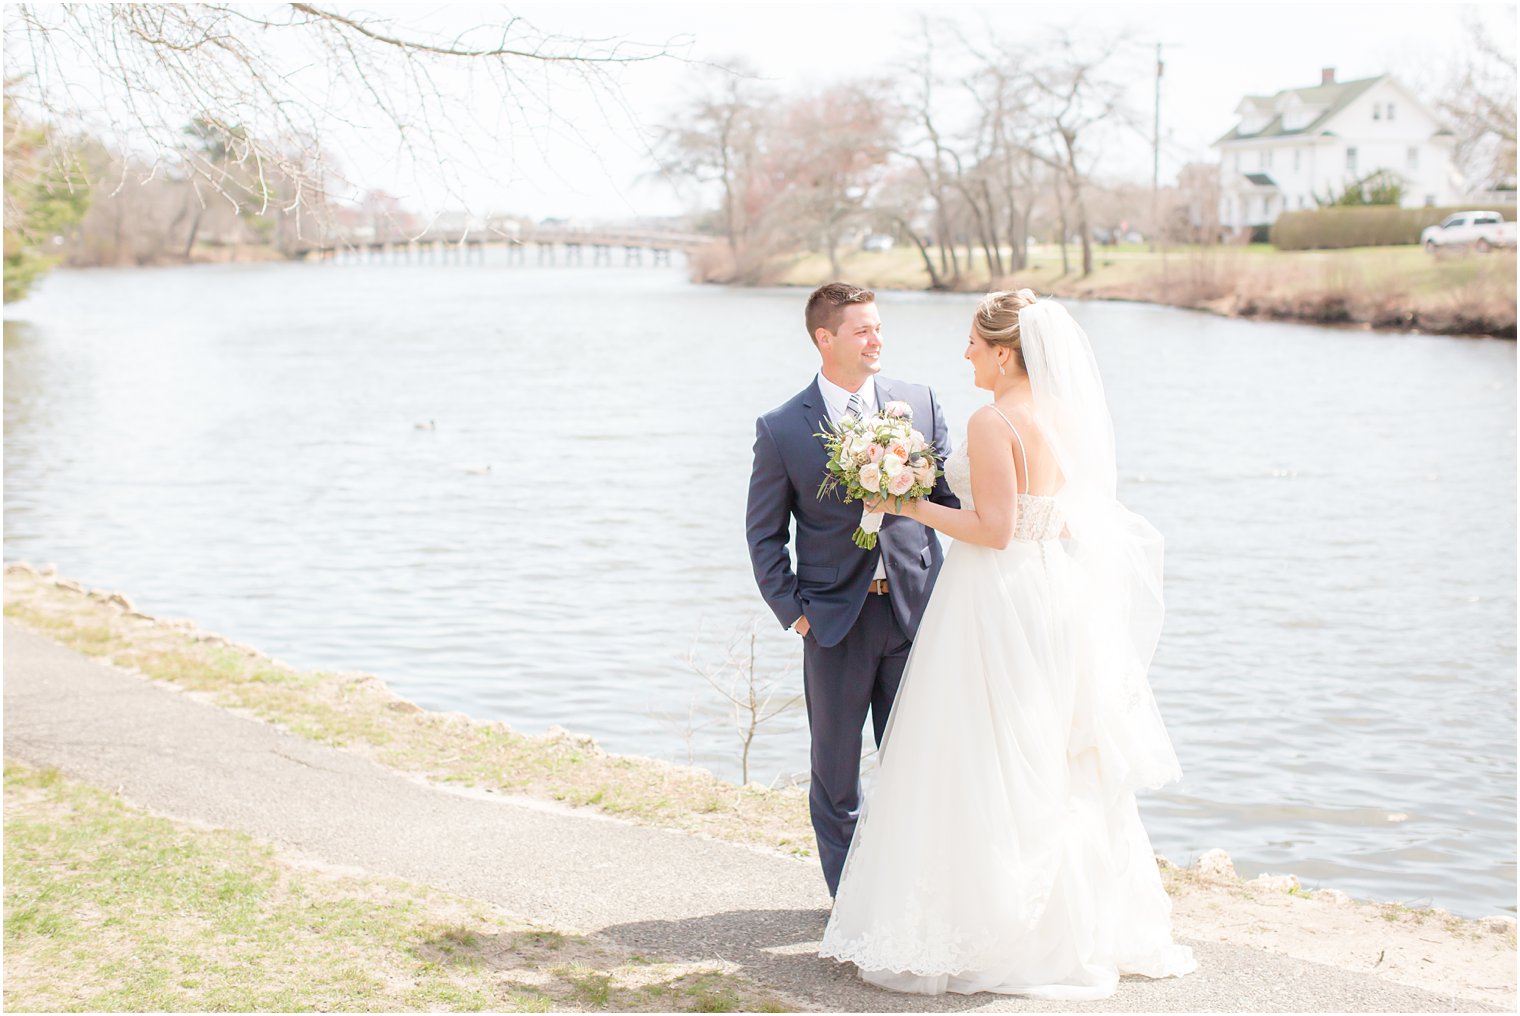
1379	226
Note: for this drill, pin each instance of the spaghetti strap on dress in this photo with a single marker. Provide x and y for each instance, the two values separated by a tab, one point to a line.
1023	455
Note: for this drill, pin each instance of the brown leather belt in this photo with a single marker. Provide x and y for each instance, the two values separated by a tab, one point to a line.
878	587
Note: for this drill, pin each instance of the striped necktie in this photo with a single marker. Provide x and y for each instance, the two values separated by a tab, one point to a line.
857	406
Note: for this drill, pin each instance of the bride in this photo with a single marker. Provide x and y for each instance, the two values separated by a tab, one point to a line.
1001	849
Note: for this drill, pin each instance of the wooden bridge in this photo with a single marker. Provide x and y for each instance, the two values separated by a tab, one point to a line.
462	243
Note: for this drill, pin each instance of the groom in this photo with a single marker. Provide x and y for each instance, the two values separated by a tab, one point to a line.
856	610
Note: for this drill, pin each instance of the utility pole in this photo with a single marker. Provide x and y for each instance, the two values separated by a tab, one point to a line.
1156	156
1155	149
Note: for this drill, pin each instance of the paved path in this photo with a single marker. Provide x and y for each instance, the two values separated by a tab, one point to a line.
653	891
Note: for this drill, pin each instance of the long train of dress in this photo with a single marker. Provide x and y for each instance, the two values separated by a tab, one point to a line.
998	851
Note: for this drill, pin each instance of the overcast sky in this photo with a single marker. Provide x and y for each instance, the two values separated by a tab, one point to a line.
588	160
1216	53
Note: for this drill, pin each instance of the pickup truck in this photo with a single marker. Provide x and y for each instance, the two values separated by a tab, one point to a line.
1482	231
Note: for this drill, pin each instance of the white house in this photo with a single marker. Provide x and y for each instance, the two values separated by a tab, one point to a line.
1304	143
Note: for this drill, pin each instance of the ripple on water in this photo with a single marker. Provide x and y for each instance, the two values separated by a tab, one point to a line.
1332	653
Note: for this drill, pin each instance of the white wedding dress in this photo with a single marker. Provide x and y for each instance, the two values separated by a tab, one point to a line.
1001	849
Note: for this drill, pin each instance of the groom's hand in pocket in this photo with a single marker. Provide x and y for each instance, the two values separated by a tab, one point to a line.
801	627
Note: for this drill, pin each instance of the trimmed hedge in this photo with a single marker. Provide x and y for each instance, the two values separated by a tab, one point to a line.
1375	226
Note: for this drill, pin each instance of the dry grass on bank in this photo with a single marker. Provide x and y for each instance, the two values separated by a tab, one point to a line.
108	908
1421	947
358	712
1384	287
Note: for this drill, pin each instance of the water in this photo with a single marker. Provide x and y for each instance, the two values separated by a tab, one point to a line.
240	445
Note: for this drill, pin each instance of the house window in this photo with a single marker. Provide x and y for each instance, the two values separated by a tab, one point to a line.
1430	201
1377	112
1351	160
1390	111
1237	162
1301	202
1266	160
1412	157
1296	154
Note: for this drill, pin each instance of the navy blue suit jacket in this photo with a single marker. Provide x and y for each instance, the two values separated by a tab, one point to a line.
832	577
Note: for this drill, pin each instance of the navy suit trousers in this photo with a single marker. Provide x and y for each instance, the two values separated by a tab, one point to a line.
841	683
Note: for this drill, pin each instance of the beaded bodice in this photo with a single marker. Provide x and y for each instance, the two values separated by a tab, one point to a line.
1039	514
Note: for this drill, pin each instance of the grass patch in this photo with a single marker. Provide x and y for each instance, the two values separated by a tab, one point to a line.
357	712
1386	287
590	987
108	908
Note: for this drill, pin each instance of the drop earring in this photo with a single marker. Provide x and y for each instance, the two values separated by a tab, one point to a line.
1001	371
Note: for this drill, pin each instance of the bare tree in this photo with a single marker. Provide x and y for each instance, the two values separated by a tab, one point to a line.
837	144
1480	101
903	207
1198	200
926	147
1077	98
268	86
750	693
991	176
718	140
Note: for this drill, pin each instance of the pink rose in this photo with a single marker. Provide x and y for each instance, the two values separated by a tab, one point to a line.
901	483
898	409
876	454
925	476
870	478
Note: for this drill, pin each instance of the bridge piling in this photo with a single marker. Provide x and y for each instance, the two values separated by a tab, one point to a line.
466	243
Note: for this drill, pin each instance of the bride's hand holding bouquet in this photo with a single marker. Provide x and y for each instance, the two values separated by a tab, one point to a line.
880	460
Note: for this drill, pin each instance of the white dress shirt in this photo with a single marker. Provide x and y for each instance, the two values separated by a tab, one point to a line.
837	400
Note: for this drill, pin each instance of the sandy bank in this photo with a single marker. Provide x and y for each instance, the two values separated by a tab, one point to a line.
1422	948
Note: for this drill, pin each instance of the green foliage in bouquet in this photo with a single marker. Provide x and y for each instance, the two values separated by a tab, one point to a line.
868	458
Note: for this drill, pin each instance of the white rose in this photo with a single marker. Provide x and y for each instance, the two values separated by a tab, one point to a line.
892	465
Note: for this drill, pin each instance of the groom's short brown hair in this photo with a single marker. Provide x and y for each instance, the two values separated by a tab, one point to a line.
825	308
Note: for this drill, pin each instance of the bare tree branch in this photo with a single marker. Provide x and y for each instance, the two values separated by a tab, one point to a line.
281	84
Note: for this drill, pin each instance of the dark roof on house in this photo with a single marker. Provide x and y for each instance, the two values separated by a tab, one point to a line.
1261	179
1333	97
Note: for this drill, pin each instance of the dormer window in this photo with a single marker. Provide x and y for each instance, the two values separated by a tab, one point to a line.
1377	111
1299	117
1390	111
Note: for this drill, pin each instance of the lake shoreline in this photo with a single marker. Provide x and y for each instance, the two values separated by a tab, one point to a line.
1392	290
1425	947
1341	292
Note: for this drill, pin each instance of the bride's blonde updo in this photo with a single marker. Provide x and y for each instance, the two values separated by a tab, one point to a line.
996	321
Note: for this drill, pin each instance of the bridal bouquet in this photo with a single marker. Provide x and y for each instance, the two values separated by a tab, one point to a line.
872	457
